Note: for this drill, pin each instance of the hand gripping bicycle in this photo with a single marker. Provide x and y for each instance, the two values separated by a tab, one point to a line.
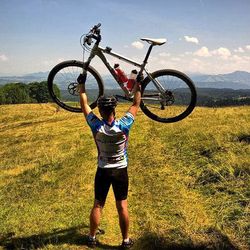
167	95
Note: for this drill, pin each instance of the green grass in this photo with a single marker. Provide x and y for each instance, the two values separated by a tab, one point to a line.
189	181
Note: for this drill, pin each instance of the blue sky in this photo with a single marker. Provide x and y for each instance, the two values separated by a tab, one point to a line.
204	36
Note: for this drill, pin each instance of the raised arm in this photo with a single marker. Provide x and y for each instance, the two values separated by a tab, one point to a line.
84	100
136	101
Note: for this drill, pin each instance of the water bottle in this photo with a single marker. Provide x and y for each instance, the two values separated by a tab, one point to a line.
132	79
122	78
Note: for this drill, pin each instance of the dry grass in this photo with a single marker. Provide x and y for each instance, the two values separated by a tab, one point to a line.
189	181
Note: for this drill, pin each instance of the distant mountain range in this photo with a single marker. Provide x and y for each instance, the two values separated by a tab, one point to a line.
33	77
234	80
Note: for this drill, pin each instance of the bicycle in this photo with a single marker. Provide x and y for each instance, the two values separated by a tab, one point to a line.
167	95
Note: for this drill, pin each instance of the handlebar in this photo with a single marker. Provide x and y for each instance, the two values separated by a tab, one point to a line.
93	33
95	28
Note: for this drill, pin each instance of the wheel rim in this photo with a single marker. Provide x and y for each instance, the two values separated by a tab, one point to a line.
177	102
64	88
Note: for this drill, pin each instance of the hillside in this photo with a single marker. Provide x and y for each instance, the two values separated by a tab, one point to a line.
189	181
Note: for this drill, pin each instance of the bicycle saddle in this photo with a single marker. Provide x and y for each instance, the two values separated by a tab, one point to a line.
155	41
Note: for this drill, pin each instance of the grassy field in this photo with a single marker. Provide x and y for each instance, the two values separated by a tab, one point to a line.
189	181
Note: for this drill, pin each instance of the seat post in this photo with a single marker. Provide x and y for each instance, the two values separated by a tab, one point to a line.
148	53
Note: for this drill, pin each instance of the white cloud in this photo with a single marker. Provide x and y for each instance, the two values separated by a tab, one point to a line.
224	53
191	39
164	54
240	59
248	47
137	45
212	63
202	52
53	62
240	50
3	58
236	58
176	59
187	53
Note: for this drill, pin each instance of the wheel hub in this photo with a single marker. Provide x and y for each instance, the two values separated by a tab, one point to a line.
167	99
73	89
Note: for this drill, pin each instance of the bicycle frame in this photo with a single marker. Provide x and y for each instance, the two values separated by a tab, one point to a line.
99	51
160	89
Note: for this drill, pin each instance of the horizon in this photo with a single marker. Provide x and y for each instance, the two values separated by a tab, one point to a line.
203	37
194	74
105	75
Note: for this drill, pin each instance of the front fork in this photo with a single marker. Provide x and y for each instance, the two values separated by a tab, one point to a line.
83	76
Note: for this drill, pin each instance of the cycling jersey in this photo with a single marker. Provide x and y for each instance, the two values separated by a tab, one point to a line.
111	140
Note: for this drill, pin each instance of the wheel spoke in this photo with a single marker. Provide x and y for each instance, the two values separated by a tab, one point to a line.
177	100
62	82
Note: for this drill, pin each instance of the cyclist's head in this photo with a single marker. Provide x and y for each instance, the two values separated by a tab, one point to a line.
106	105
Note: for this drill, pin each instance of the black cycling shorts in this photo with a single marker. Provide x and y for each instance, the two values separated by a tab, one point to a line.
118	178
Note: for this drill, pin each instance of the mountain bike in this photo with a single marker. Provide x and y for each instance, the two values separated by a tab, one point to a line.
167	95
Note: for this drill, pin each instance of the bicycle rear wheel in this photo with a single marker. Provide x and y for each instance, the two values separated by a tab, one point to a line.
174	102
62	85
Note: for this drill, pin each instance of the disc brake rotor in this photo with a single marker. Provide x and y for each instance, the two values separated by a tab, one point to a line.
73	88
169	98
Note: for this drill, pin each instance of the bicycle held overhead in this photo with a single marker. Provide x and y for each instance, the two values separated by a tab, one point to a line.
167	95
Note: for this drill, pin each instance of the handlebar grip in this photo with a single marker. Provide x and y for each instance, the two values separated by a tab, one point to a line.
98	25
95	27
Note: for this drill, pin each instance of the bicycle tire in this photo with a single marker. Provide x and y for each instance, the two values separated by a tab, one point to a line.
187	88
72	68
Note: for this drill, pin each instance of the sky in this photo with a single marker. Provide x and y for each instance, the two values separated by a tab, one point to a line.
203	36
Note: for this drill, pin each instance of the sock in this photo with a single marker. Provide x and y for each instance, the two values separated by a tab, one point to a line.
126	240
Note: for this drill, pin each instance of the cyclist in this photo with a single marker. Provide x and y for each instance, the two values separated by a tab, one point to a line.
111	137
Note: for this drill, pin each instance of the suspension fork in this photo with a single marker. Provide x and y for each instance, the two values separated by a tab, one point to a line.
83	76
93	53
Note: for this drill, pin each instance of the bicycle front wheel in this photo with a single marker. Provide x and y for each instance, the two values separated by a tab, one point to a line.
168	96
62	85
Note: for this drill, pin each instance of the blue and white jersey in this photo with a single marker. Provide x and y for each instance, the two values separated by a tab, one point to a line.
111	140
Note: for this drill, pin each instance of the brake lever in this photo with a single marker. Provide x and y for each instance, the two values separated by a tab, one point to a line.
88	39
97	31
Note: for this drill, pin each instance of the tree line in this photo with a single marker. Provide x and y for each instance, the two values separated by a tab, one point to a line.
210	97
222	102
35	92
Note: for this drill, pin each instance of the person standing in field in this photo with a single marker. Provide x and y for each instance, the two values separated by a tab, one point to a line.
111	137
